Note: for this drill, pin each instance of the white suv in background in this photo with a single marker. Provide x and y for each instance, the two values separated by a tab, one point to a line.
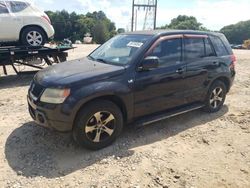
22	22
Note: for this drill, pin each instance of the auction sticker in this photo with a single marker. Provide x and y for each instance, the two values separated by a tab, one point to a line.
135	44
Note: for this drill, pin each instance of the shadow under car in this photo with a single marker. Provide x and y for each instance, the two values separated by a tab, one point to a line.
35	151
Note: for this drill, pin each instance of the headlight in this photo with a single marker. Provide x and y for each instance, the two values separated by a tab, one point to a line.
55	96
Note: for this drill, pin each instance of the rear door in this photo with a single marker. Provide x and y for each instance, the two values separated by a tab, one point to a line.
162	88
201	62
17	15
4	22
11	20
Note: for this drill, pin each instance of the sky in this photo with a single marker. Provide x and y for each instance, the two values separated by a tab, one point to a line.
213	14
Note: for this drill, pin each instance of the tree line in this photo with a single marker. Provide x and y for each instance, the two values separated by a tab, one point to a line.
75	26
235	33
184	22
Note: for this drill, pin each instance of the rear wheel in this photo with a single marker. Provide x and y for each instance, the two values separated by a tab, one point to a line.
216	97
33	36
98	124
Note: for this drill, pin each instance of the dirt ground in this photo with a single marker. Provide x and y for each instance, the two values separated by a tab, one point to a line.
192	150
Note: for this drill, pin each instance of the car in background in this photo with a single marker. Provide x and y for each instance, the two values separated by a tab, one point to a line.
22	22
237	46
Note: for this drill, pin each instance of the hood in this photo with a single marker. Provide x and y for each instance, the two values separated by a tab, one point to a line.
72	72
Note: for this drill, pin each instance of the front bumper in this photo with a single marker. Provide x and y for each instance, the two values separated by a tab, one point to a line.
45	117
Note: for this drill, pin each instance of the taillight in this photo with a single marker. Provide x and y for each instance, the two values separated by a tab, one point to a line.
47	19
233	61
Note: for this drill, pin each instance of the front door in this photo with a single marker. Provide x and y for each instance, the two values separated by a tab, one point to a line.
161	88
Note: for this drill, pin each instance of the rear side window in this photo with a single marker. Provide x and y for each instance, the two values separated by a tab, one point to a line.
194	48
168	51
219	46
17	6
3	8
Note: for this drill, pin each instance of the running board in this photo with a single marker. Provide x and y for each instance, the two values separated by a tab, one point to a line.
152	119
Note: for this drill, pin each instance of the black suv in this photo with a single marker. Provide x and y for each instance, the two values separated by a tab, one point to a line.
138	77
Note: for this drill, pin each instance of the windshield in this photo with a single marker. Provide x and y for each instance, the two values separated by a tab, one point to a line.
120	49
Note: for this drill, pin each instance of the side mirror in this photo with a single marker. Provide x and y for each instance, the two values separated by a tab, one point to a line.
150	62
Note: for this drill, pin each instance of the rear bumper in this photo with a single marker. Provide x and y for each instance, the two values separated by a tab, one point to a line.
49	29
233	74
45	117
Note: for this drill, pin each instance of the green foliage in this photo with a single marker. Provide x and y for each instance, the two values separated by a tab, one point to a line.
121	30
237	33
75	26
184	22
100	33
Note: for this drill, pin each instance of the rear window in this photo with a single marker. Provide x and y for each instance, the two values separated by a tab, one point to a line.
3	8
17	6
194	48
219	46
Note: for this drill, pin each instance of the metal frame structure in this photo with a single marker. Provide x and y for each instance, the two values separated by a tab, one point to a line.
23	55
151	4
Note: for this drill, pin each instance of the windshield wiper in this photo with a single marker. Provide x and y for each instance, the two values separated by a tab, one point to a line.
98	59
101	60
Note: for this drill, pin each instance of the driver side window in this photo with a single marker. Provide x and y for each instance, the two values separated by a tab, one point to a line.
168	51
3	8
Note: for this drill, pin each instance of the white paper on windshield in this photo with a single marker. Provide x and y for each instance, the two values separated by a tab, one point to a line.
135	44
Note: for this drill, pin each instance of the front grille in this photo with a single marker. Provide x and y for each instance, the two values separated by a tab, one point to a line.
36	89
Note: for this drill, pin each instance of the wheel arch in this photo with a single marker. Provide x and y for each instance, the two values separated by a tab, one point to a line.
223	79
33	25
113	98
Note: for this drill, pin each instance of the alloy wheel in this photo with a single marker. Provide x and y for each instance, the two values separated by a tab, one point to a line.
216	98
100	127
34	38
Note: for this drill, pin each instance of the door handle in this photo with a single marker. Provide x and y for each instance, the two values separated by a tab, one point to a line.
16	19
180	70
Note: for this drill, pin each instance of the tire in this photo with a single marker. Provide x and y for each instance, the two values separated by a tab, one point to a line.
98	125
215	97
29	32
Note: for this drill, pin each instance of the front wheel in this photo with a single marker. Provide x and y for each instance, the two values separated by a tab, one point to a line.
98	124
216	97
33	36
